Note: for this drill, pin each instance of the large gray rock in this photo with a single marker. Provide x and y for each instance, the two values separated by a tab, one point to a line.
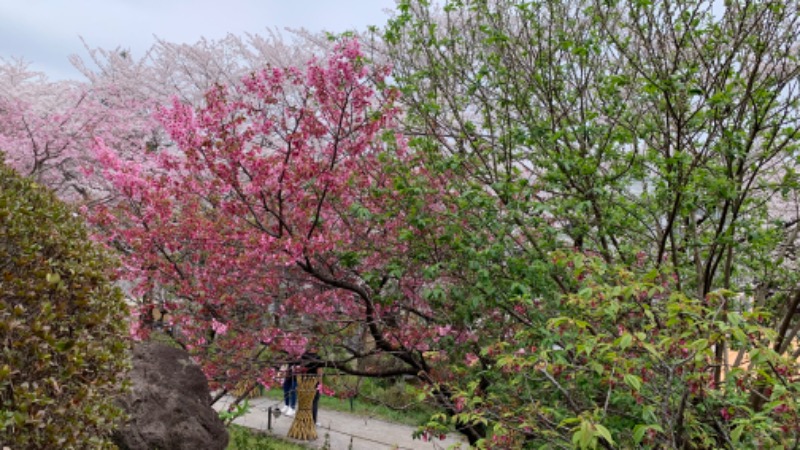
169	404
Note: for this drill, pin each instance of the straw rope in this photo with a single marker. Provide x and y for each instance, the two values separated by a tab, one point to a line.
303	426
246	387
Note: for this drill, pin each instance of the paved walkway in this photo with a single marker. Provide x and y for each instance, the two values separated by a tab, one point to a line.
342	429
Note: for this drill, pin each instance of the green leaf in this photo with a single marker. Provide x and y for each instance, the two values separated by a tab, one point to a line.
641	429
638	433
604	433
736	434
586	435
625	341
651	349
699	345
633	381
739	335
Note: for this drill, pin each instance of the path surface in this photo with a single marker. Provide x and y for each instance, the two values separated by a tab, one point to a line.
341	429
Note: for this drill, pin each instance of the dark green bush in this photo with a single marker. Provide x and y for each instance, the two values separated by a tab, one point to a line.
63	325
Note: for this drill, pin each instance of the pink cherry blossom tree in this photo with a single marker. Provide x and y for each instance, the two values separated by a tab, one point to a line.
282	219
47	129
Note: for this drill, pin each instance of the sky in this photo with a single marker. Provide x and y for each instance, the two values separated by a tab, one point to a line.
46	32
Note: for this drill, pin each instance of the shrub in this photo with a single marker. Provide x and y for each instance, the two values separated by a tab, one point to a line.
63	325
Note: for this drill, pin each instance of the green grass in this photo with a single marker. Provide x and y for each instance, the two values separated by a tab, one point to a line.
410	416
242	438
413	415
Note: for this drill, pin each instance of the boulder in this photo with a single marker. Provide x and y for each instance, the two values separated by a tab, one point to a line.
169	404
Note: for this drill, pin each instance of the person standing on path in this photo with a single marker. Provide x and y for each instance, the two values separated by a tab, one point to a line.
289	390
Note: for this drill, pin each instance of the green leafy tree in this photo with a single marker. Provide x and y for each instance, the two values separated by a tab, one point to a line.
623	181
63	325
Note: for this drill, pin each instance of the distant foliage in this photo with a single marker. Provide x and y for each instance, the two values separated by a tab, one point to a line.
62	325
47	129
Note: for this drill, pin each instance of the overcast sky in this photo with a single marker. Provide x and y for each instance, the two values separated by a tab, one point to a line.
46	32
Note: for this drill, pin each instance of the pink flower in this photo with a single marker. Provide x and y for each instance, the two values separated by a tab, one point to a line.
325	390
219	327
136	331
780	409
